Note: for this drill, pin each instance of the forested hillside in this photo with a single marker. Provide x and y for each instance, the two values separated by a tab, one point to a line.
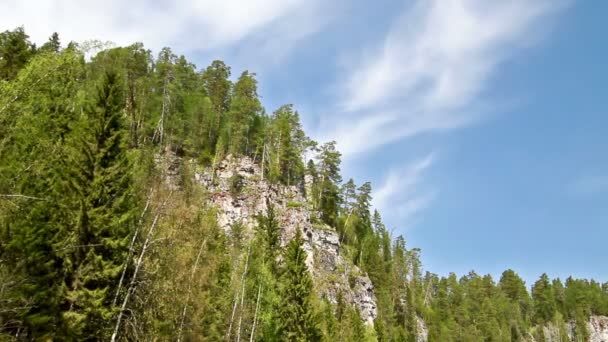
108	233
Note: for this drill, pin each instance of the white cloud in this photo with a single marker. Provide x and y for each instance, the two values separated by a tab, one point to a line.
402	195
432	70
186	25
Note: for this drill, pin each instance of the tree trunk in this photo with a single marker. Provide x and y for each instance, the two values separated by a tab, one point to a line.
238	336
137	267
194	267
255	316
124	269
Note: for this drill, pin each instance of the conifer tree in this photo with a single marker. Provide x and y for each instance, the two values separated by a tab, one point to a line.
270	235
105	195
349	194
288	143
218	86
245	107
330	179
38	115
297	318
544	300
53	44
15	51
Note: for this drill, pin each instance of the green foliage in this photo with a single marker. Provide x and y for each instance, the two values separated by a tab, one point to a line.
544	299
245	110
236	184
297	319
217	84
35	121
102	187
328	190
15	52
87	221
269	235
292	204
53	44
285	146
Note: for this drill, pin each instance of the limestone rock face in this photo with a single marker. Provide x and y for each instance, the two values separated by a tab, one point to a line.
237	190
422	332
598	329
552	333
597	326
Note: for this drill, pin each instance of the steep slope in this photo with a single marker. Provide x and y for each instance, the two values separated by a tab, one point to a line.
237	189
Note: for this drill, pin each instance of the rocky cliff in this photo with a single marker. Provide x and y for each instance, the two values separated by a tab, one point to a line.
598	329
597	326
239	192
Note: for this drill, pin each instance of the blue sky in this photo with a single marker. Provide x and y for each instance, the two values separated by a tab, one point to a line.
482	125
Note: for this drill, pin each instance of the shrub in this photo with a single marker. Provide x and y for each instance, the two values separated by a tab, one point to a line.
236	184
291	204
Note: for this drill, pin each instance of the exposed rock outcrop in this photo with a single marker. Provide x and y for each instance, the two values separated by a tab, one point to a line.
238	191
597	327
422	332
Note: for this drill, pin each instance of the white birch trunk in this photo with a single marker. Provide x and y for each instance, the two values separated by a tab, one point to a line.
194	267
137	267
255	316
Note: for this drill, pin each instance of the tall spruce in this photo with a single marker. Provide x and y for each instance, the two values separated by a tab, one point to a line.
37	116
297	318
103	189
269	234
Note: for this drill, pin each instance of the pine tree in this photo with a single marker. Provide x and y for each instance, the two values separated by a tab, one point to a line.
364	227
245	107
288	143
53	44
514	288
329	191
218	86
544	299
296	315
349	195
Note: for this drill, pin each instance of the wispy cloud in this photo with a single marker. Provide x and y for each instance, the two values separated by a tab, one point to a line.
403	193
182	24
432	69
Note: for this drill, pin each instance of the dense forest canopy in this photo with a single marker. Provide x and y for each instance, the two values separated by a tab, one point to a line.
94	245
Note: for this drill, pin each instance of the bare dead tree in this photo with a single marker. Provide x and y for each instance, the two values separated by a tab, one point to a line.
137	267
22	196
236	299
238	336
263	159
194	267
131	246
235	302
160	126
255	316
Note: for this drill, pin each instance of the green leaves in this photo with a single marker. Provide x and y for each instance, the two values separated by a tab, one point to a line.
69	130
15	51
